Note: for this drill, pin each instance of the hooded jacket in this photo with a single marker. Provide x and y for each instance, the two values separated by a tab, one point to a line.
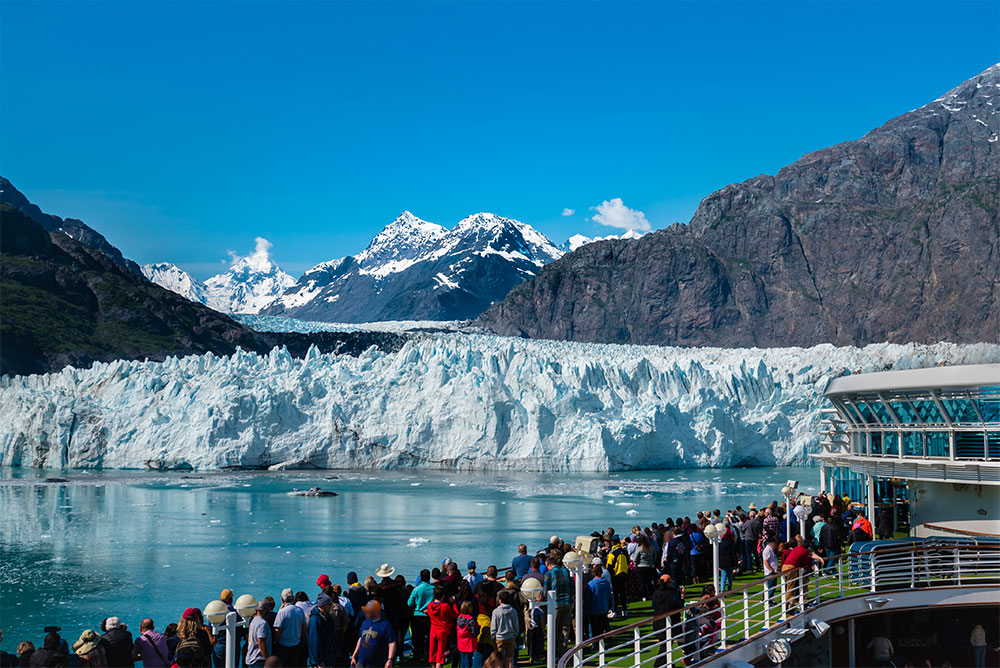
322	639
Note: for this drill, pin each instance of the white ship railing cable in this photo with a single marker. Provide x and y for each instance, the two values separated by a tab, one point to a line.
751	613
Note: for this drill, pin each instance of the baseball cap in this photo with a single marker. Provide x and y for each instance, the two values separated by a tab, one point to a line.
189	613
446	561
226	595
596	560
471	565
322	600
323	580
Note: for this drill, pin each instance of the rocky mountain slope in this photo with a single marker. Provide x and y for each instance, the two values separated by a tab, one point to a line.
71	227
64	303
891	237
416	270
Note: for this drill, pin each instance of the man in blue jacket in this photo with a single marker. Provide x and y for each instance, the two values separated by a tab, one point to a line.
322	639
598	601
420	625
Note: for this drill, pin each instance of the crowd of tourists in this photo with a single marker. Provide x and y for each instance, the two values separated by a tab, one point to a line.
473	619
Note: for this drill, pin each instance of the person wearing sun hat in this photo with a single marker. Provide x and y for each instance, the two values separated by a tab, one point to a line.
391	595
89	651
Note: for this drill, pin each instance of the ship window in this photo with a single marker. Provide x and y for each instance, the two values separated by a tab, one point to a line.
969	444
928	411
866	412
882	412
904	412
937	444
891	443
961	410
913	444
989	404
993	444
876	443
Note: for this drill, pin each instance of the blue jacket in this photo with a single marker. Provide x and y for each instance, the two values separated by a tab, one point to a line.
322	642
420	597
599	600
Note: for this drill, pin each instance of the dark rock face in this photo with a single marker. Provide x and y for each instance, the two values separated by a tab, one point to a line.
892	237
71	227
64	303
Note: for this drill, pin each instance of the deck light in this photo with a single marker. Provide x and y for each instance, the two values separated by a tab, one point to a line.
246	605
215	612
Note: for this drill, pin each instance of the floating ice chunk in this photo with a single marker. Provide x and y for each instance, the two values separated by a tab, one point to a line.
632	512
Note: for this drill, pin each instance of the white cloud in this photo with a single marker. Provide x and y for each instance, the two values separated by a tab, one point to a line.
260	257
614	213
568	212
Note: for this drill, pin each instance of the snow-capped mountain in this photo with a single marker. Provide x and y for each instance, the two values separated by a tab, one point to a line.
251	283
175	279
446	401
578	240
417	270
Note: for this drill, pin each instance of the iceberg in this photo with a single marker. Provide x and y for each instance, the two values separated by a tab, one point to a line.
460	401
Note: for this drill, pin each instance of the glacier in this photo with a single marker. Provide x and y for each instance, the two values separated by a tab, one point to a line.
463	401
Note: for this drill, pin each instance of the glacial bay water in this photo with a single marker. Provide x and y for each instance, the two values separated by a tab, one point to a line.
137	544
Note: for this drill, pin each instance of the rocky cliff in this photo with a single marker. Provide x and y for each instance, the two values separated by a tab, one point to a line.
64	303
891	237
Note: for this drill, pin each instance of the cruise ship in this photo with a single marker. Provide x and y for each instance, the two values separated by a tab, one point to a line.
922	444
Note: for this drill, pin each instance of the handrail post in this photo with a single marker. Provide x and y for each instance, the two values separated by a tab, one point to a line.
803	592
600	653
913	569
669	647
784	597
746	613
871	569
722	630
550	610
638	648
958	568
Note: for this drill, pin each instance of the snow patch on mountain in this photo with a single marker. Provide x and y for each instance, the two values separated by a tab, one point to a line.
251	284
446	401
175	279
579	240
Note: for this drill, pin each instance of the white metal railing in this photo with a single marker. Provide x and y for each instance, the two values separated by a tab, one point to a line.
702	629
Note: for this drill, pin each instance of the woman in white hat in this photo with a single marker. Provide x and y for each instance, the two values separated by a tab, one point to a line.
89	651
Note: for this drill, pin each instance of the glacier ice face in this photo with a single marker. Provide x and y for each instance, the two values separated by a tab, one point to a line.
462	401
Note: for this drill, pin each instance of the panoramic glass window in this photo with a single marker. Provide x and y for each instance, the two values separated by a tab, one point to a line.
937	444
961	410
927	411
989	405
913	444
891	443
904	412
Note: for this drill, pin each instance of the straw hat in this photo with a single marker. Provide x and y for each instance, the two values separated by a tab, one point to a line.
87	643
385	571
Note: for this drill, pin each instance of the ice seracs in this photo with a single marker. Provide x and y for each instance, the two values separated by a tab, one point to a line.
446	401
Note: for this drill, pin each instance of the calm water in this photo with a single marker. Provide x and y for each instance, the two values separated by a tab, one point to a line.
135	544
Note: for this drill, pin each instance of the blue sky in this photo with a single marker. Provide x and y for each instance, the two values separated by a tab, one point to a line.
182	130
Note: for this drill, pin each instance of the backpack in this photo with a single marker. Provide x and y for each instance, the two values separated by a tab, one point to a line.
680	549
189	653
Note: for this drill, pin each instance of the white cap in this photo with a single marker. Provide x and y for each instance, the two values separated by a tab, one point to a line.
596	560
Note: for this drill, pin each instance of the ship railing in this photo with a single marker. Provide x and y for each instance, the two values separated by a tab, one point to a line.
702	630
